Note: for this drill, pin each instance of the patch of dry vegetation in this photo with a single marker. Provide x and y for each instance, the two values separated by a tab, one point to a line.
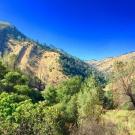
123	121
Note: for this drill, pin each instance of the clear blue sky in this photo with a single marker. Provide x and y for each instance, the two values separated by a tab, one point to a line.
88	29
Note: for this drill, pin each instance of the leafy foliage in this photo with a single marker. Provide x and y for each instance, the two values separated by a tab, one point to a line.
73	66
89	102
74	106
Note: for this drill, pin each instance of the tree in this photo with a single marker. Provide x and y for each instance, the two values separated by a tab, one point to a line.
22	89
10	60
37	119
71	111
8	104
89	99
11	79
89	105
3	71
68	88
15	78
50	95
123	84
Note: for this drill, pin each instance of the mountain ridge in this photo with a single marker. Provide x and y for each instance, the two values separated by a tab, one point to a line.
48	64
106	64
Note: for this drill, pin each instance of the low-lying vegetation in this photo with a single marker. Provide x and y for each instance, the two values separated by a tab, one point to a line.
78	106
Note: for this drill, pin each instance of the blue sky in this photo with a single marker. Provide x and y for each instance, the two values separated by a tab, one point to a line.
88	29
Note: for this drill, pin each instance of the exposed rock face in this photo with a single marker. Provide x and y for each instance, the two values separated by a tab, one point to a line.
31	57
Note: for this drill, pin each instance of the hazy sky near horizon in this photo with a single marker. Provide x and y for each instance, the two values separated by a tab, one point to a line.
88	29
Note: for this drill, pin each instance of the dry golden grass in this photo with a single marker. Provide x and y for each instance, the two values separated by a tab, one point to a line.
123	121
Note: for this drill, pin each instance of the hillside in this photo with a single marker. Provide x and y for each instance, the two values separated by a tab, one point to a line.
49	65
106	65
77	105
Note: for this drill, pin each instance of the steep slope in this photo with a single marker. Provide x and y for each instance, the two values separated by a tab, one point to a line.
106	64
49	65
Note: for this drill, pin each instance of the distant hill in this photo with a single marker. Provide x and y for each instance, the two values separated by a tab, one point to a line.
105	65
49	64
